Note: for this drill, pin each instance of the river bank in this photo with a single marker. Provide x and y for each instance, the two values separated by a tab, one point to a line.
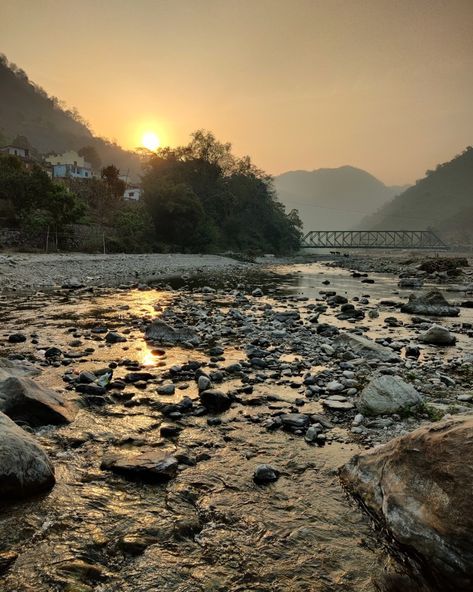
29	272
282	359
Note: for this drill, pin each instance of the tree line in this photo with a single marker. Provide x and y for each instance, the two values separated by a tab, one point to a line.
196	198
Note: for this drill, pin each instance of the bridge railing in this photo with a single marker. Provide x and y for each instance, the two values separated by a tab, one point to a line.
372	239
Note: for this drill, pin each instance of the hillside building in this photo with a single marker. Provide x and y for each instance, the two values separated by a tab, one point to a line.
133	193
70	165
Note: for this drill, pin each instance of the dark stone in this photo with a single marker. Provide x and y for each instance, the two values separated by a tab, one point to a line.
151	466
16	338
215	401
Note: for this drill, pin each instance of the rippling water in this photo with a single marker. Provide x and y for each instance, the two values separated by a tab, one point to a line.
211	528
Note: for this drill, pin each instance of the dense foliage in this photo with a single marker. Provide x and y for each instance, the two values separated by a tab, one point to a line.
202	197
442	200
32	200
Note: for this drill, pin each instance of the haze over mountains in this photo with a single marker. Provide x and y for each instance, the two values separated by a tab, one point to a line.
333	199
27	110
442	200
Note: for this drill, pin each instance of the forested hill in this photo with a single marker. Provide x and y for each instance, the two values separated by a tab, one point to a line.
27	110
443	200
332	199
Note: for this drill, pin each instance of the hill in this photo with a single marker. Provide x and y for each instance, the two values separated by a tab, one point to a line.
442	200
332	199
27	110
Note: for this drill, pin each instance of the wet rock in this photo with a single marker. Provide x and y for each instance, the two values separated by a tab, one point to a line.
72	283
16	338
294	421
170	431
91	389
387	394
419	487
438	335
22	399
113	337
265	474
337	405
366	348
431	303
166	389
162	332
410	282
52	353
138	376
82	571
7	559
412	351
312	433
16	368
204	383
215	401
150	466
24	466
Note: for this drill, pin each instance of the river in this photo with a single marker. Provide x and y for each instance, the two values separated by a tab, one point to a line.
211	528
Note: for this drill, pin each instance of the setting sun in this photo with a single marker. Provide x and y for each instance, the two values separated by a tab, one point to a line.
151	141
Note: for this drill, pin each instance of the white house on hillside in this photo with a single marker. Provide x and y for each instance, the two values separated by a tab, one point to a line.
15	151
70	164
133	193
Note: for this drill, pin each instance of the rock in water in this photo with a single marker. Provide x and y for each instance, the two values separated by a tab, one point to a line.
431	303
162	332
151	466
366	348
25	400
215	401
438	335
420	486
387	394
24	466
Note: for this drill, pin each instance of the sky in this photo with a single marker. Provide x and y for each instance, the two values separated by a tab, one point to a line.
384	85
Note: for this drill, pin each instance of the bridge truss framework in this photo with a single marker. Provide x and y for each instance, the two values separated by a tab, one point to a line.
372	239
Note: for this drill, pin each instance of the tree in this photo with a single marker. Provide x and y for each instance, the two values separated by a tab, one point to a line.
229	202
111	177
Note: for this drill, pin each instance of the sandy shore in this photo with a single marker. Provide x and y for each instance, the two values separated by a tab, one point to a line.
22	271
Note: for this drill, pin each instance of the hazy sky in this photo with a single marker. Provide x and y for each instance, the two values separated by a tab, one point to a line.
386	85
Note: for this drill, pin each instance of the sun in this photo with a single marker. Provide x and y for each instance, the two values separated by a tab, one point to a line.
151	141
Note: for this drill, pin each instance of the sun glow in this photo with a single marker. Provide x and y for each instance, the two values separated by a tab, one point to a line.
150	141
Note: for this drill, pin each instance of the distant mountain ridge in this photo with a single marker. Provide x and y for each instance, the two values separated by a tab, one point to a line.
333	198
442	200
27	110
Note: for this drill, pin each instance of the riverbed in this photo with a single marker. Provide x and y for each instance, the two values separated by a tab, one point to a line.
211	527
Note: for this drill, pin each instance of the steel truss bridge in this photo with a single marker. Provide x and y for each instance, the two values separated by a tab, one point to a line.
372	239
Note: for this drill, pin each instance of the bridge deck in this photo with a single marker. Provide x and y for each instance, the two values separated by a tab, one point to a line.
372	239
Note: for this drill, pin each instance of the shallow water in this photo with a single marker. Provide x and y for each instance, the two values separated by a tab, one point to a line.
211	528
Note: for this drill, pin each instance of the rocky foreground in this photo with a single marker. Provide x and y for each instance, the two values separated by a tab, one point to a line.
233	370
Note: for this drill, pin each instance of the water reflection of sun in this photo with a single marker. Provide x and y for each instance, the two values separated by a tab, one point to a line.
149	359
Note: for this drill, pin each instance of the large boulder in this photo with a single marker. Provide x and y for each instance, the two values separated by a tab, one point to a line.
17	368
430	303
420	487
24	466
387	394
161	332
22	399
366	348
438	335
